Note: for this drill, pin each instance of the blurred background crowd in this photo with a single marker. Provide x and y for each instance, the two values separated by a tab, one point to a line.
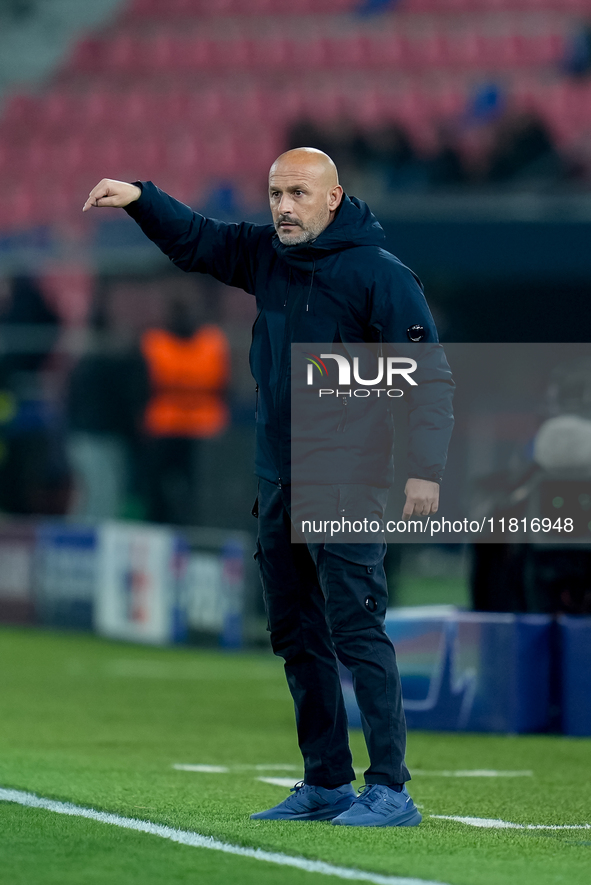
124	385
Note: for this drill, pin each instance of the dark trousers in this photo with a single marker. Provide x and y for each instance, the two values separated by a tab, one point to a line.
326	602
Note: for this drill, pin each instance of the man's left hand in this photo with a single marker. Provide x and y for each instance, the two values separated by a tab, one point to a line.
422	498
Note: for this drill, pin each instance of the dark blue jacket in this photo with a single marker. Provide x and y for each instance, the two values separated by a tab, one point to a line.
342	287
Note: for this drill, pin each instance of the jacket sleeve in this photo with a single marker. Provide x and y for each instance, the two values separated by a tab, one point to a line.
196	243
399	305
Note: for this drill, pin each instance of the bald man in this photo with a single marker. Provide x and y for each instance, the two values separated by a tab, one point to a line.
320	274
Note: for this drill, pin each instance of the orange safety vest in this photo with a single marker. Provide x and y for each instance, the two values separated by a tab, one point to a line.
188	377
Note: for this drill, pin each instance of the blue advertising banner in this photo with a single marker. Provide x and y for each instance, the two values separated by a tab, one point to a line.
575	643
65	574
470	671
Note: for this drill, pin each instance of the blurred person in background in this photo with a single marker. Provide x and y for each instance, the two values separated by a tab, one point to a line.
445	166
388	154
577	58
320	273
188	366
385	154
555	471
524	153
34	473
106	398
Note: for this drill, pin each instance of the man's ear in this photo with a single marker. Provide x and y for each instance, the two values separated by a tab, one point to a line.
334	198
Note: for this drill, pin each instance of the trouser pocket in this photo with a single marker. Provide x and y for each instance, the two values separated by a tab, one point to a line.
353	582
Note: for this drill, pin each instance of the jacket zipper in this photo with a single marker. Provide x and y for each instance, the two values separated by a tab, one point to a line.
284	361
343	422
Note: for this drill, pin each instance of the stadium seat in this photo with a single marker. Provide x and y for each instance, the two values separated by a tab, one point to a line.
99	106
273	54
468	50
135	107
325	103
350	53
196	54
433	51
232	54
18	206
60	111
162	53
391	51
87	56
365	106
310	55
121	54
550	48
21	113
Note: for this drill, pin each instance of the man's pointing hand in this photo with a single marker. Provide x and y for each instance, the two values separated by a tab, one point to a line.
116	194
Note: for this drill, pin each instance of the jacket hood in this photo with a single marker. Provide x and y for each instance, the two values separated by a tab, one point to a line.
354	225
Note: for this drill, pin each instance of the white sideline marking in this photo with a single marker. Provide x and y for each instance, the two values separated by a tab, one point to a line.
224	769
473	772
492	823
278	781
205	769
196	840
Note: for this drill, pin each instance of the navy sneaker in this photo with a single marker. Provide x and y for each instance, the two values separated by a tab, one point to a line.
310	803
379	806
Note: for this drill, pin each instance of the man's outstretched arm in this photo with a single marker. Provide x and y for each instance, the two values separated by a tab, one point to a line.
191	241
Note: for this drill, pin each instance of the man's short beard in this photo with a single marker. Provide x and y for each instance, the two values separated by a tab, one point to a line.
307	235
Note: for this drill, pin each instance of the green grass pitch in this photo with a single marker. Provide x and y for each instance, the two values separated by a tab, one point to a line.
102	724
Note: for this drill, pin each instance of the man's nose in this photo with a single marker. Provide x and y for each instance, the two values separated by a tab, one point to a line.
286	204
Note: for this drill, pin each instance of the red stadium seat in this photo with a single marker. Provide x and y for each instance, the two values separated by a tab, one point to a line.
185	155
390	51
326	103
510	51
60	111
286	104
310	55
135	108
19	206
448	101
206	105
350	53
433	51
257	7
122	55
249	103
274	53
232	54
365	106
549	48
468	50
21	114
87	55
196	54
99	108
143	8
168	106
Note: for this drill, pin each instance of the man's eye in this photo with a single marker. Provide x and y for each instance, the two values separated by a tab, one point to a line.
298	193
